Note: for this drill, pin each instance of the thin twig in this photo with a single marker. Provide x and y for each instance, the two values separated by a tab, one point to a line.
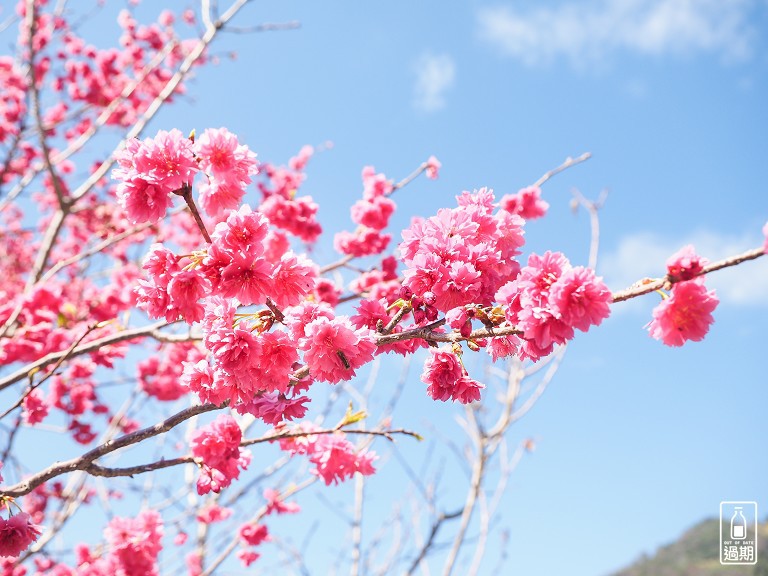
564	166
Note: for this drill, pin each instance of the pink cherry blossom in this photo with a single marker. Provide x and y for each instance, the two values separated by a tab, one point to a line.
161	375
277	356
297	317
217	445
216	197
274	408
433	166
442	371
293	278
243	232
580	298
336	459
142	200
326	291
685	264
297	216
134	543
166	160
373	213
526	203
185	291
212	513
462	255
299	162
503	346
223	157
150	171
334	349
16	534
277	504
35	408
199	378
253	534
364	241
374	184
685	315
247	557
247	278
467	390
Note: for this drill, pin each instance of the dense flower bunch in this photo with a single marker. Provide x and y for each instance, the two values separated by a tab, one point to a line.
462	255
132	547
217	446
549	299
526	202
16	534
686	313
335	458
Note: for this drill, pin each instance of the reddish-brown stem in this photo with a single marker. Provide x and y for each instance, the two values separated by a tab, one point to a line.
278	314
186	193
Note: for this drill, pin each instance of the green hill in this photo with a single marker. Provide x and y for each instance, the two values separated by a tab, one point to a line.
696	553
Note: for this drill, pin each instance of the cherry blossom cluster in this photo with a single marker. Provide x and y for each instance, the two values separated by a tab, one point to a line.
294	214
220	457
446	378
462	255
372	215
132	547
526	203
153	169
250	534
548	299
17	532
335	458
686	313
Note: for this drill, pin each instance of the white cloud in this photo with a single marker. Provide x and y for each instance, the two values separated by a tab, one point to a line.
589	30
435	74
644	254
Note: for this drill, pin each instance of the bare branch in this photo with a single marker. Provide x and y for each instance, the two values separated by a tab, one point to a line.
564	166
86	460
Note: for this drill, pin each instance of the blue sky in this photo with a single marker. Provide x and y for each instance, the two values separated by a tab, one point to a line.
636	442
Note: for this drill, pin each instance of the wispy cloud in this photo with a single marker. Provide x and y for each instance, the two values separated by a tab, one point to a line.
589	30
644	254
435	75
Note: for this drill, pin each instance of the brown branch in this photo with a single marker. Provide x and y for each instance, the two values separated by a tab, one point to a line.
97	470
186	192
337	264
51	372
85	461
404	309
650	285
431	539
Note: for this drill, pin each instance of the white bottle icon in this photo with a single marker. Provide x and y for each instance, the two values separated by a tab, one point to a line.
738	525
